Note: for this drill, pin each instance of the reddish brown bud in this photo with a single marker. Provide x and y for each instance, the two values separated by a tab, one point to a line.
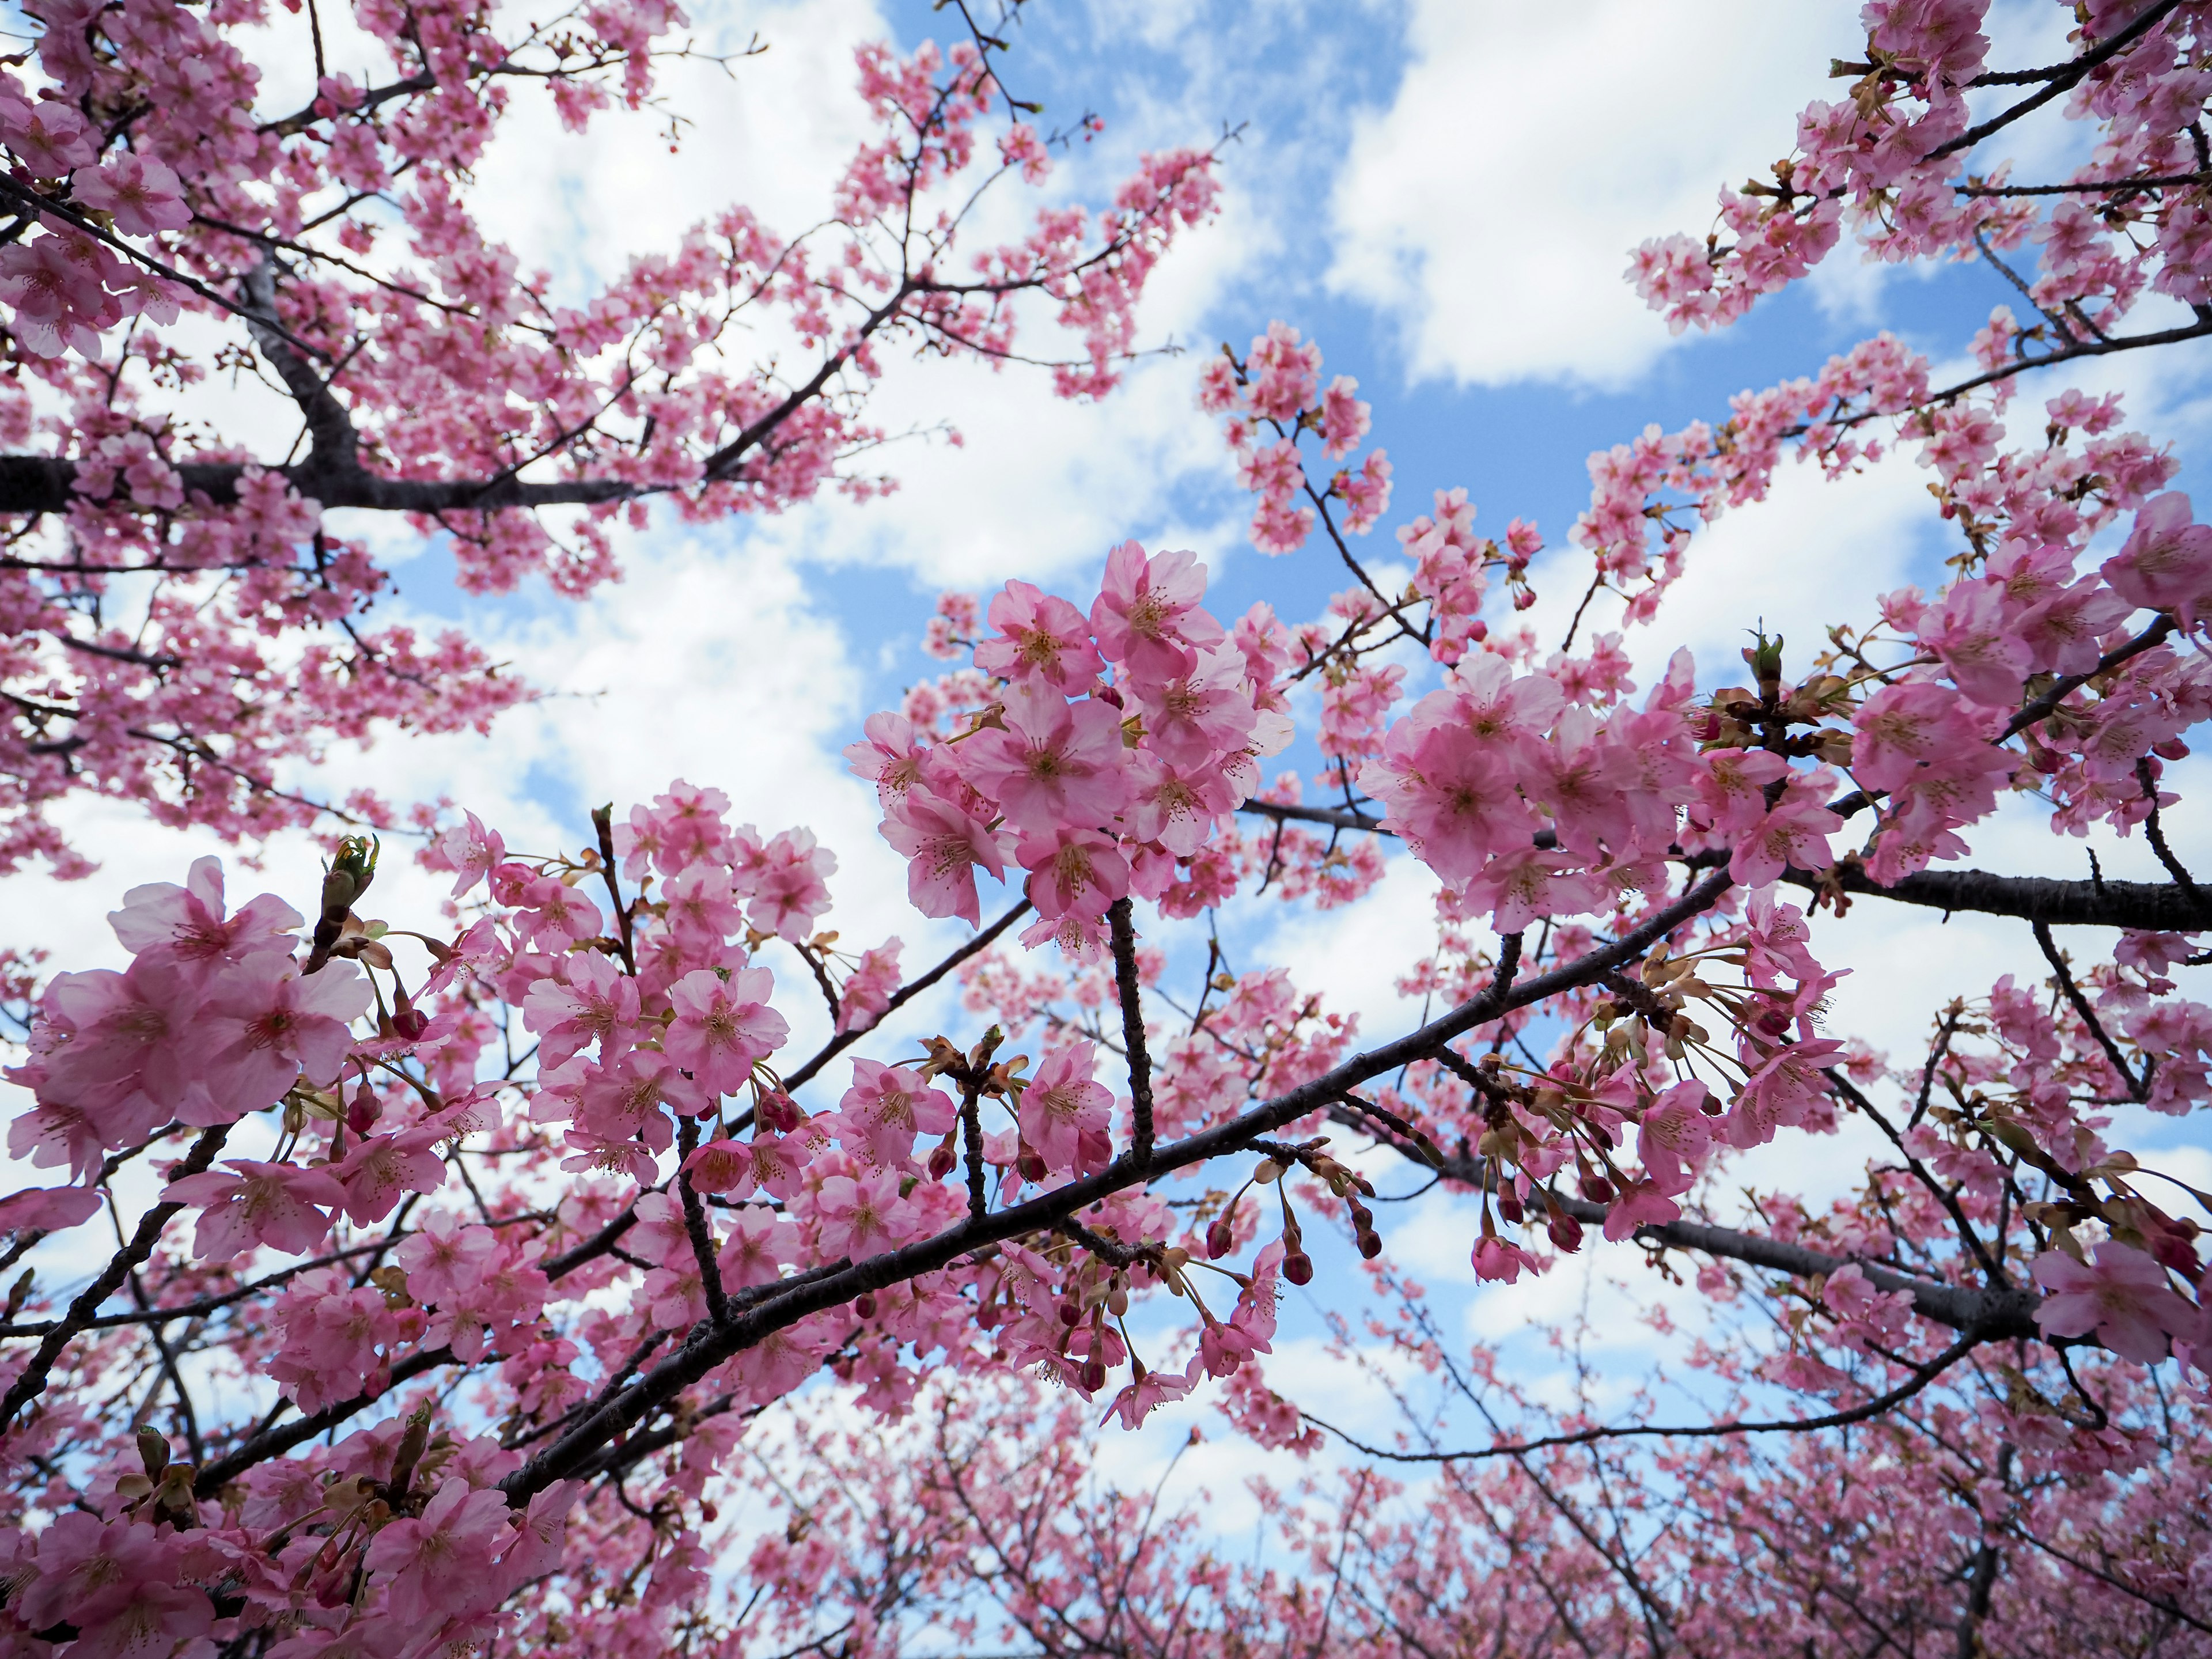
1220	1239
1597	1189
941	1161
1094	1374
779	1112
1298	1267
1566	1232
1370	1245
865	1305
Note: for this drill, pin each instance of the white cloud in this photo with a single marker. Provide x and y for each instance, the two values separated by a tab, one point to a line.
1494	204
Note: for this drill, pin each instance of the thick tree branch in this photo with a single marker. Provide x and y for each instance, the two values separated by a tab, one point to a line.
709	1345
1133	1031
2001	1314
2152	906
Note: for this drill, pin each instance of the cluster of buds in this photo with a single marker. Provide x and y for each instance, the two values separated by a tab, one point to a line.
164	1492
1347	1184
1737	717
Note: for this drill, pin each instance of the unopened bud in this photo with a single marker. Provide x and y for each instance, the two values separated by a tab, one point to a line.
779	1112
1566	1232
1070	1315
864	1305
1597	1189
1094	1374
1298	1267
1370	1244
940	1160
1509	1206
1220	1239
361	1114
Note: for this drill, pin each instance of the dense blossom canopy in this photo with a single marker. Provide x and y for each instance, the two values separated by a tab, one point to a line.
520	1216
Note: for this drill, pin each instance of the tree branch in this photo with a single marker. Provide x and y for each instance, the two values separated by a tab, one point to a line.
708	1346
130	1257
1921	1377
1132	1032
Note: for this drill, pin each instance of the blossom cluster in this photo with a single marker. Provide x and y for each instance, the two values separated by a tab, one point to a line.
1114	746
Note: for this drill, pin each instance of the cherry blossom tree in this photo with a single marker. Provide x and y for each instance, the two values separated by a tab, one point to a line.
536	1247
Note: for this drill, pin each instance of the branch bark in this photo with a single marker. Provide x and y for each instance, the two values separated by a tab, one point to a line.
708	1344
2152	906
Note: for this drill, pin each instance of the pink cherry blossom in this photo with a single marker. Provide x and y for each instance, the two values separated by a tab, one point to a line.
440	1563
724	1027
1055	761
279	1205
1062	1107
2122	1297
1042	637
1147	619
264	1025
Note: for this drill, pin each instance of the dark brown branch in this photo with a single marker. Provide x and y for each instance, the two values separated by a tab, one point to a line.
132	1256
2150	906
695	1223
905	994
1132	1032
2091	187
2000	1314
708	1346
1921	1377
2061	78
2136	1088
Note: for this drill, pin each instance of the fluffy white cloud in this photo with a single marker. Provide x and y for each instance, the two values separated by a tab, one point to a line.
1494	203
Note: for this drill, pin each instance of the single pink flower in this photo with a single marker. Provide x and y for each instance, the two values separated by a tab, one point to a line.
2124	1298
723	1027
279	1205
1042	637
166	922
1149	1390
943	847
264	1025
1147	619
1054	763
1061	1105
862	1217
439	1565
887	1107
2165	564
